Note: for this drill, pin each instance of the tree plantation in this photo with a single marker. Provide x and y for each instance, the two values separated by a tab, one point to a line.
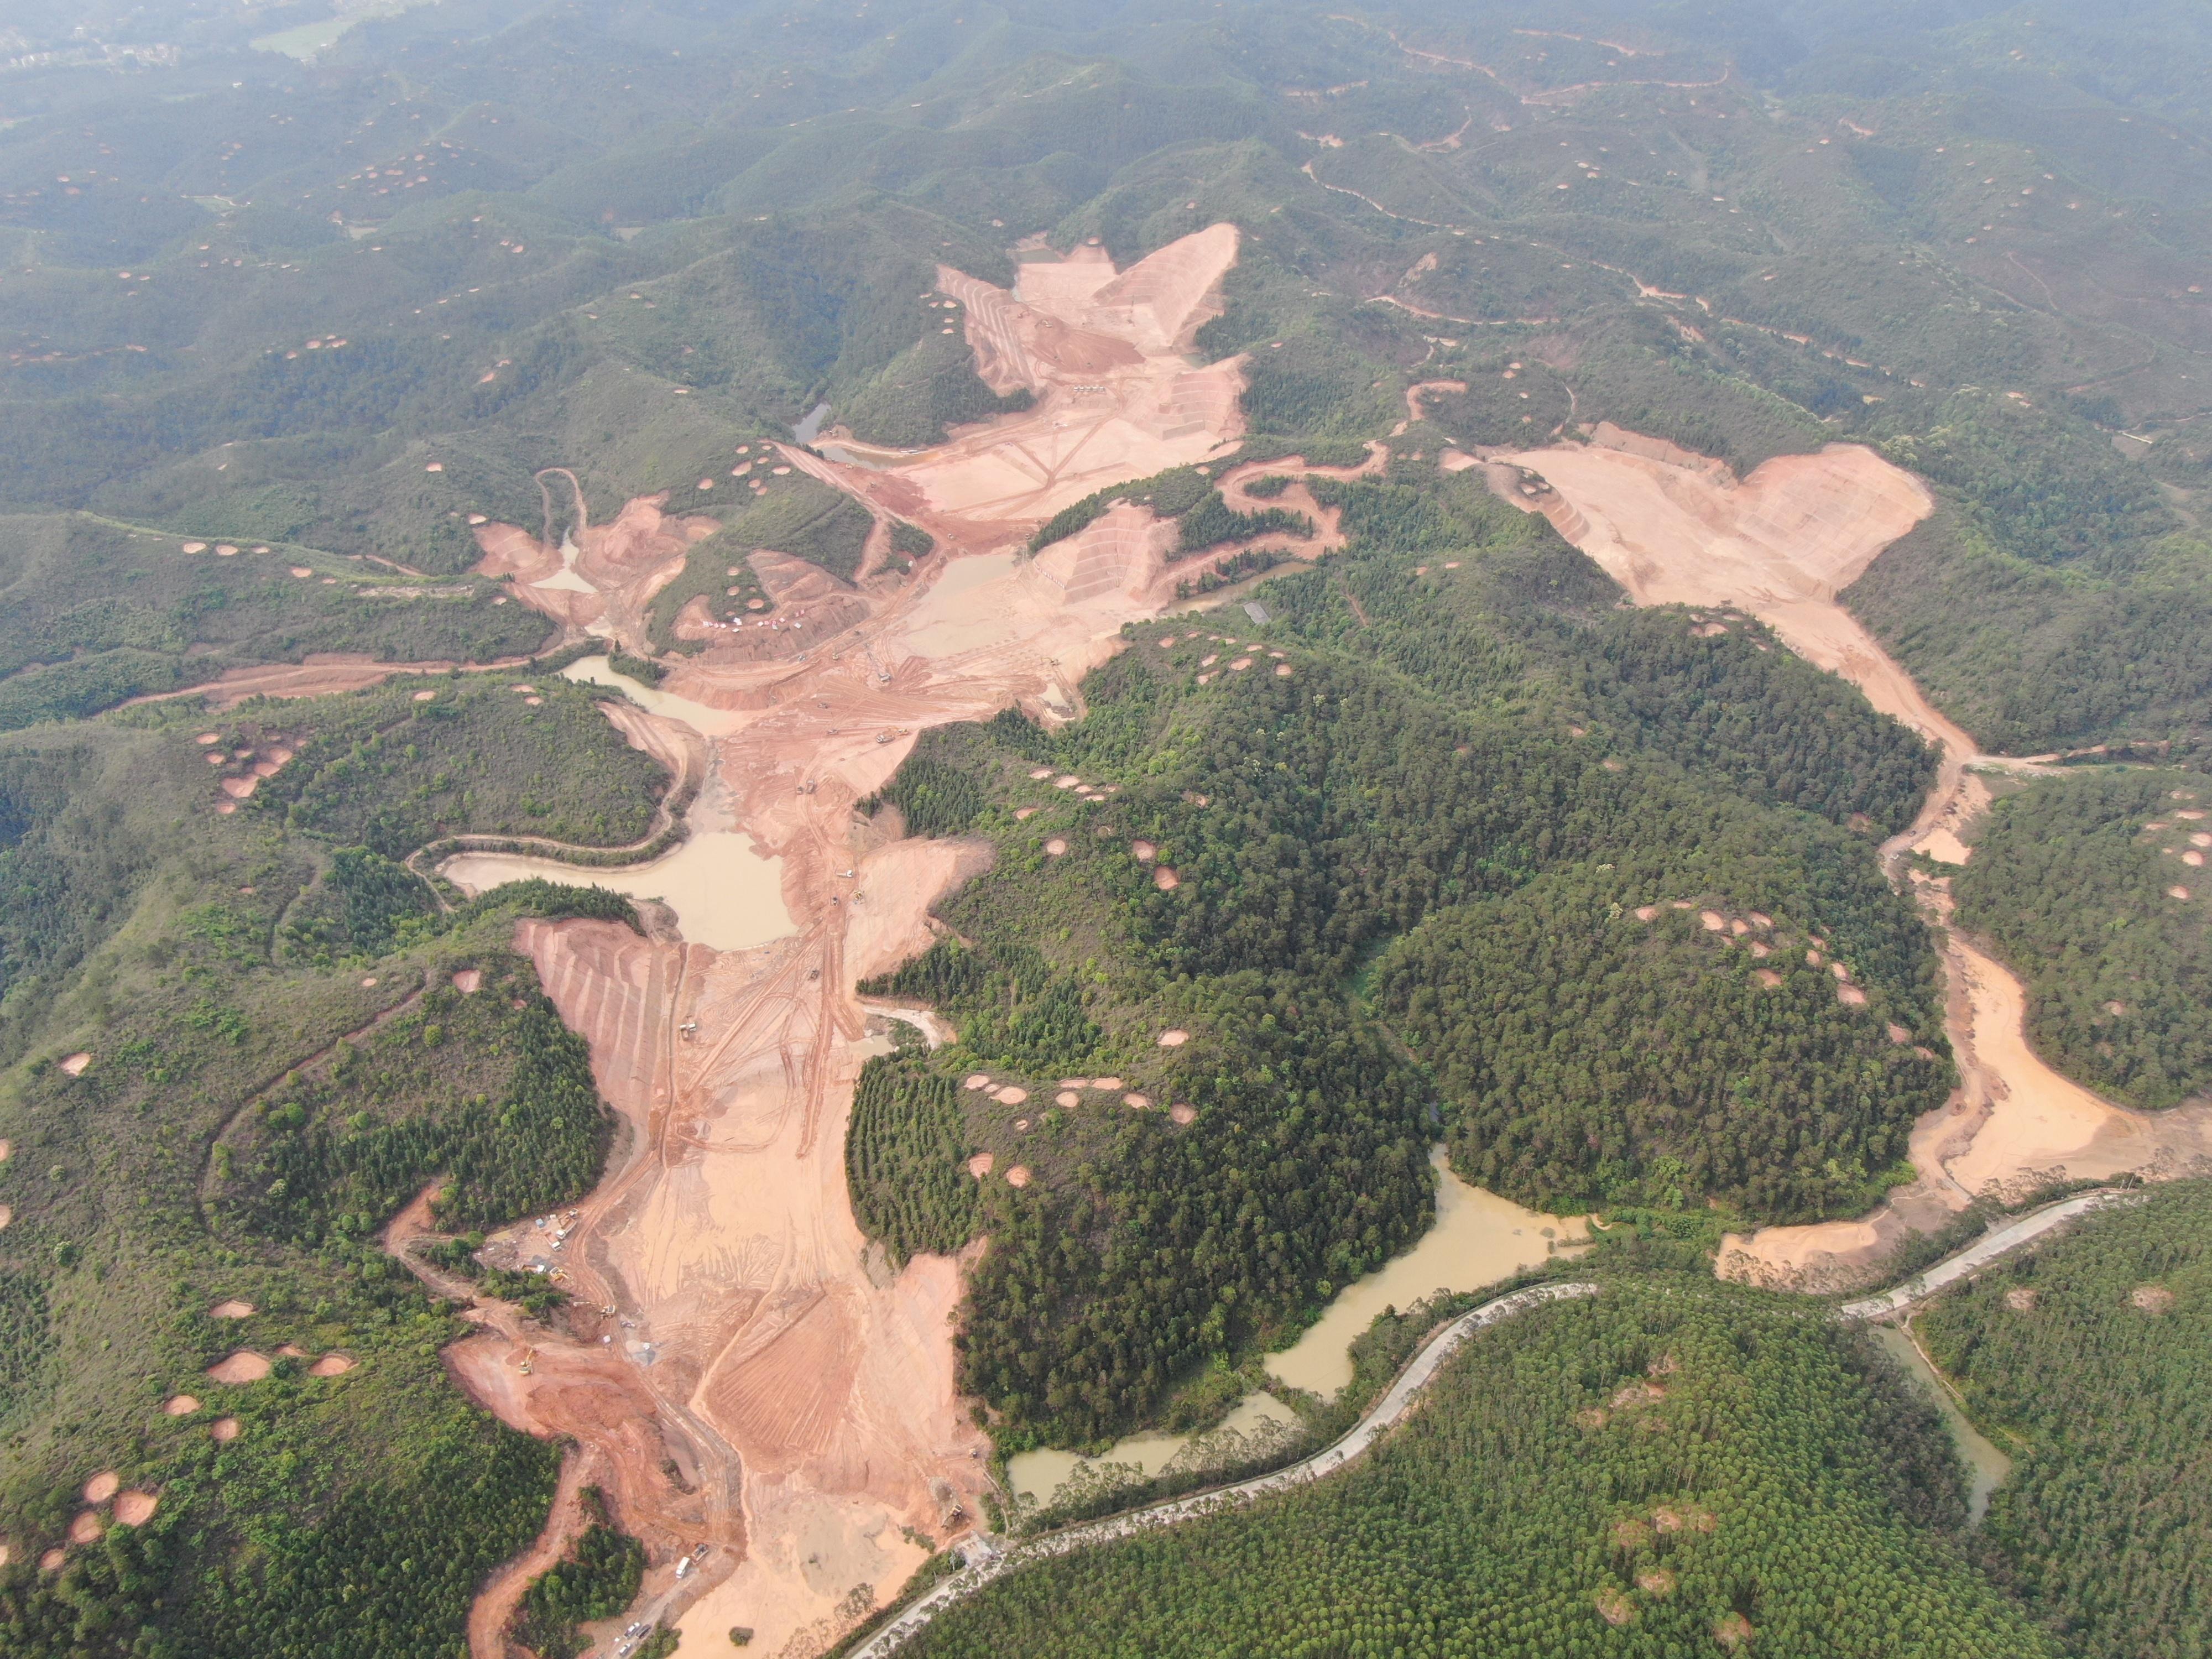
1671	1468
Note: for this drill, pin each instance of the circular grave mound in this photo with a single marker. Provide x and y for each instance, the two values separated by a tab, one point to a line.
243	1367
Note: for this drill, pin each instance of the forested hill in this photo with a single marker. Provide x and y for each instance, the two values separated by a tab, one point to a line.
236	1043
1493	865
293	299
2087	1361
1668	1467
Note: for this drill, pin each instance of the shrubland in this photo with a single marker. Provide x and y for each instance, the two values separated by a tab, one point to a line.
246	1117
93	612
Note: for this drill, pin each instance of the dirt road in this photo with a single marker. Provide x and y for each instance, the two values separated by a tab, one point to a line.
319	674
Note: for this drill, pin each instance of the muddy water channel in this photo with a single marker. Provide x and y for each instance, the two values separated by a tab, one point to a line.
725	892
1676	528
707	722
1038	1475
1986	1467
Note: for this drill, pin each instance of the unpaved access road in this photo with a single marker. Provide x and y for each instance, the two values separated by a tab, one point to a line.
988	1562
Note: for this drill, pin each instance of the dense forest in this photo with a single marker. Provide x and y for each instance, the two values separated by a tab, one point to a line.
2088	1360
1611	1051
489	1090
926	388
2080	886
597	1578
905	1153
1342	831
395	769
1670	1468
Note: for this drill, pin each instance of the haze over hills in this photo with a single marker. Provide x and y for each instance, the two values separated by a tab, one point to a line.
784	790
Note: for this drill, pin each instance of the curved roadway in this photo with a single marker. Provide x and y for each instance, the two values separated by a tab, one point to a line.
986	1561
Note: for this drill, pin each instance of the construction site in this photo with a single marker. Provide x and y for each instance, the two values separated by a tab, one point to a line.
773	1407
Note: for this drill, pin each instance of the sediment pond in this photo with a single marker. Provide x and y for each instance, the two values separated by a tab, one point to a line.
1478	1238
1038	1475
1986	1467
725	894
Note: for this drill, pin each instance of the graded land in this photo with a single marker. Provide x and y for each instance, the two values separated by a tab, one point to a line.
398	377
782	1356
767	1348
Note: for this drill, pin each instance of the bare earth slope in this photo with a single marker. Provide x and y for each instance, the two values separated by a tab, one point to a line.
767	1386
1118	398
1676	528
603	578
